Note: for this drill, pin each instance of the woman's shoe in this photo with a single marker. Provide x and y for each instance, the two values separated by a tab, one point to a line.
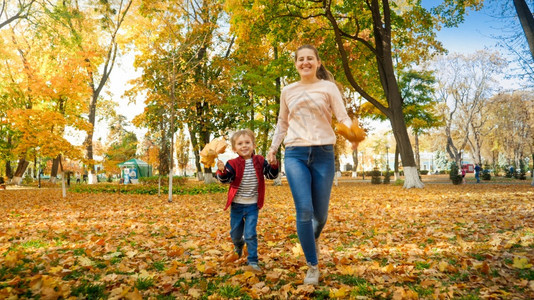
312	276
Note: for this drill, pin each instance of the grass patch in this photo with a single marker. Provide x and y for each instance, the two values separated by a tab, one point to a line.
89	291
526	274
78	252
421	265
159	265
350	279
33	244
230	291
144	283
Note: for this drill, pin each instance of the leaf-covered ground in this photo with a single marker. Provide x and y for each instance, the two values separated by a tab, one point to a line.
381	242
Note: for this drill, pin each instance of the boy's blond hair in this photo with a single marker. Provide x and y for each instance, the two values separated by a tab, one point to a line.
239	133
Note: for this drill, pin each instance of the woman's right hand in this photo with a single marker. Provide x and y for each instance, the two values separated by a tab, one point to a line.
271	157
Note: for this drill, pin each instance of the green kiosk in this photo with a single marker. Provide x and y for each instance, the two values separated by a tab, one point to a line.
134	169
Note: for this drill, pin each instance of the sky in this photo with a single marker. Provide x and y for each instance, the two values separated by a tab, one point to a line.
472	35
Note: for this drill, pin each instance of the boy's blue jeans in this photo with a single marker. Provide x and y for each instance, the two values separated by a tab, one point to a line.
243	221
310	172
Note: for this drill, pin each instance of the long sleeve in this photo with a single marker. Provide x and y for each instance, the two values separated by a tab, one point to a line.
281	125
338	107
305	117
226	176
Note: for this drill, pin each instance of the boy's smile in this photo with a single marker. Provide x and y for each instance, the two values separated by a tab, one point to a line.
244	146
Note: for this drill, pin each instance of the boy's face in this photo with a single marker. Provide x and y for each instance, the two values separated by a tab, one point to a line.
244	146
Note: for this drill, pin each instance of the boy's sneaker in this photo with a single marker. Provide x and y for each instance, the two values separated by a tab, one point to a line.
255	267
312	276
238	251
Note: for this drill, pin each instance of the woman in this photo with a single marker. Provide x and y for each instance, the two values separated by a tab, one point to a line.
304	124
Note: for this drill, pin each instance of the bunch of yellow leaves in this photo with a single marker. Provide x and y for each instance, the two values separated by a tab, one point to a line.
355	134
211	151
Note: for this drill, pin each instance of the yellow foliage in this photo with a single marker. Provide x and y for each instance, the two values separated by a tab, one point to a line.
211	151
354	134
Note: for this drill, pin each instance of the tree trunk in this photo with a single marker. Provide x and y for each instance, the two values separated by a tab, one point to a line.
21	168
9	170
527	22
89	139
411	174
417	156
355	163
55	167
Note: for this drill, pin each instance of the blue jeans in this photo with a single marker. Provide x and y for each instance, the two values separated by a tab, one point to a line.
477	176
243	221
310	172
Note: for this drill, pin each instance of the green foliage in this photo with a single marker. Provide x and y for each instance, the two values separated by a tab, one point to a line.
419	105
148	189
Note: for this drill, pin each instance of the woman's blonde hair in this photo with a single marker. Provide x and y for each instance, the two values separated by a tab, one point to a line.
239	133
322	72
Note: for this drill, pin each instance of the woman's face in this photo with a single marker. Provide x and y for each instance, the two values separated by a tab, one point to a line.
307	63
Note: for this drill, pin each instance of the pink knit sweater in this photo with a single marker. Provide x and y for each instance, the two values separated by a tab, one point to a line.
305	117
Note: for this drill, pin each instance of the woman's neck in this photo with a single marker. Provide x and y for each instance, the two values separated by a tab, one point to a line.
309	80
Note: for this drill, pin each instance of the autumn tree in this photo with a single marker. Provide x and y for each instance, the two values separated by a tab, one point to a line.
419	107
121	149
183	148
42	89
366	36
465	84
96	27
185	71
511	133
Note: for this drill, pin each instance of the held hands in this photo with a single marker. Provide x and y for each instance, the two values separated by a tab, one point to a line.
220	165
271	157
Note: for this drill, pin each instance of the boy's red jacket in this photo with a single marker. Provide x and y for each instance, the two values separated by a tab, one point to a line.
233	174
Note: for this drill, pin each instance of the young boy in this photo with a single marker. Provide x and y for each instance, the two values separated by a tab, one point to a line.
247	192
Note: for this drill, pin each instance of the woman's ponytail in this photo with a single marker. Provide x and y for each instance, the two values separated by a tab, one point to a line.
323	73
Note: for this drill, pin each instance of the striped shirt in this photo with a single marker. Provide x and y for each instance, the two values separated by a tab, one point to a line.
248	189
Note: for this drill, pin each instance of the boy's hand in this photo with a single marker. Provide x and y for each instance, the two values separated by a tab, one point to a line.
220	165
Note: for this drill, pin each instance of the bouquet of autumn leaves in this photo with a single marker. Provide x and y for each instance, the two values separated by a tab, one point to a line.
211	151
354	133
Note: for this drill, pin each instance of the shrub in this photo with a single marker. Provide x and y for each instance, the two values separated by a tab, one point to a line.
375	176
148	189
486	173
153	180
387	177
423	172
